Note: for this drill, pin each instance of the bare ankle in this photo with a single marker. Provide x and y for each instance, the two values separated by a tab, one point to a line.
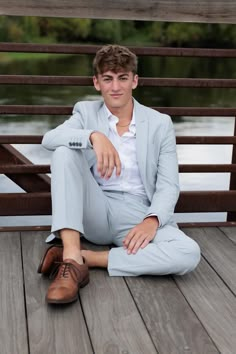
95	259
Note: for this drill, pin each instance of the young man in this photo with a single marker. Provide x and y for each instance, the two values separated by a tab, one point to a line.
114	181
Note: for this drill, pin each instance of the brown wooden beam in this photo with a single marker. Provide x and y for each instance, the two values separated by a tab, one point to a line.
24	169
143	81
206	201
29	183
190	168
232	215
25	204
181	225
195	140
67	110
155	10
189	202
92	49
197	168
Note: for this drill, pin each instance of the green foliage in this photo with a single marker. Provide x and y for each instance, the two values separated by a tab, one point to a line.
183	33
107	31
70	30
73	29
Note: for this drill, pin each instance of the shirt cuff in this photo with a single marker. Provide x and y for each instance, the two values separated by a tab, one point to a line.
151	214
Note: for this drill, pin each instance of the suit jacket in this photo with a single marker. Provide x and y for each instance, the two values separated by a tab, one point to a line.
156	149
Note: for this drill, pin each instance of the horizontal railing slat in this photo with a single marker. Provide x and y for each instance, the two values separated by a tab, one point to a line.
143	81
92	49
196	168
67	110
211	140
206	201
189	202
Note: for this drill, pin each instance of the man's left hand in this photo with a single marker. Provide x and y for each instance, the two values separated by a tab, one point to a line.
140	235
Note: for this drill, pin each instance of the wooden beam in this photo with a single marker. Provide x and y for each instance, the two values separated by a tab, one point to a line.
29	183
189	202
150	10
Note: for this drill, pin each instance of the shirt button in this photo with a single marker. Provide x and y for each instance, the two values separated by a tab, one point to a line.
70	144
79	144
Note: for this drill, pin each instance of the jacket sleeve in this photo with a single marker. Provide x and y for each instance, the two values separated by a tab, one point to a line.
71	134
167	181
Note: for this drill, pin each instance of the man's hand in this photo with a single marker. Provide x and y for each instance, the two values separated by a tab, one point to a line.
107	155
141	235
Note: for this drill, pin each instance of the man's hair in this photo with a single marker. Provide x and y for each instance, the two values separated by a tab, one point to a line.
114	58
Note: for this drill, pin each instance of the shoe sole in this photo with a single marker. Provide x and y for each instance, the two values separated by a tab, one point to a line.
82	285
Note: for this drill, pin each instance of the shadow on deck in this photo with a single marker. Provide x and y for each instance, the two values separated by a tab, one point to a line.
195	313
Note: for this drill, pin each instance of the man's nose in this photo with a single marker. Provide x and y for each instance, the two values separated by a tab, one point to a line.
115	85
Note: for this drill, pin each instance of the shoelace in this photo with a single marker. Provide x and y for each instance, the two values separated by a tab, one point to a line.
66	269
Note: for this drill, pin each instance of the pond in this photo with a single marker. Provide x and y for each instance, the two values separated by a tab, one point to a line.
169	97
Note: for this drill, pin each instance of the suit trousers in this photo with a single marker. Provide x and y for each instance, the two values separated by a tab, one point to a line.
105	217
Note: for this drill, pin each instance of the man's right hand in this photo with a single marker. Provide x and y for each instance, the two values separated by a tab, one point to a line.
107	155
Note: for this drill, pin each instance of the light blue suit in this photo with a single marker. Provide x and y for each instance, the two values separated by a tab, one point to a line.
79	203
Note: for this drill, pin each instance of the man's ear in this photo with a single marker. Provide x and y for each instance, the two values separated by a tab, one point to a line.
95	83
135	82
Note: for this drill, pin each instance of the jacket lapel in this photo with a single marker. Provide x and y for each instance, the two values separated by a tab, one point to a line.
103	124
141	139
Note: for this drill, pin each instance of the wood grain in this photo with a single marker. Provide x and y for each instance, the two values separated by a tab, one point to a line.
230	232
58	329
213	303
13	333
172	324
219	251
156	10
114	324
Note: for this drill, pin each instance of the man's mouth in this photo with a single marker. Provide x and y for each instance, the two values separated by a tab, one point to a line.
116	95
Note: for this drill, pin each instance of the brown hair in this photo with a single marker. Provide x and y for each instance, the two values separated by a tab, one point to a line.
114	58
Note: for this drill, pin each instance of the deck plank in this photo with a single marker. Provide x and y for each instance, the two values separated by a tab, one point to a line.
13	331
58	329
171	322
230	232
213	303
114	323
219	251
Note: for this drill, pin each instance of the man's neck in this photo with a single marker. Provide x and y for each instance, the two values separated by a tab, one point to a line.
123	113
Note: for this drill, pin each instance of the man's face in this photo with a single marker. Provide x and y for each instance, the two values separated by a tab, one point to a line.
116	88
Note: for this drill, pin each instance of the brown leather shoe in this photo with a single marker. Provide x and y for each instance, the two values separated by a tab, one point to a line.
53	254
71	276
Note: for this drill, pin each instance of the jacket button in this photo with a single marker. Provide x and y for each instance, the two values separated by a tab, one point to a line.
79	144
70	144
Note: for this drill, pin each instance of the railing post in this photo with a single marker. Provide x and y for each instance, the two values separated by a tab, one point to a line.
231	216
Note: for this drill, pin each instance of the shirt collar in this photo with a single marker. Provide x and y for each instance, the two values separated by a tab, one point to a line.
111	117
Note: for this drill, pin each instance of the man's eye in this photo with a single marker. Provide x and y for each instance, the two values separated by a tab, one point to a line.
123	78
106	79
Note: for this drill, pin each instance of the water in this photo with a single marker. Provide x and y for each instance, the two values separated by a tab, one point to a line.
159	67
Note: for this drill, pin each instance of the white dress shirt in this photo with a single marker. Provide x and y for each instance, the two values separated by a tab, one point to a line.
129	180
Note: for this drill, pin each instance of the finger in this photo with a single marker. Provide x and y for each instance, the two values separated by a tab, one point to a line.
99	162
128	238
111	166
145	243
134	243
117	164
105	165
138	244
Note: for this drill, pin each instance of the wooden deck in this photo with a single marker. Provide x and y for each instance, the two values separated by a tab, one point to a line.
195	313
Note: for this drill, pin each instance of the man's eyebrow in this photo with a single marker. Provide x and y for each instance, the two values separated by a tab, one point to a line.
106	75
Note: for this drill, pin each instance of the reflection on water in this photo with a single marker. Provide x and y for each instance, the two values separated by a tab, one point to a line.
173	67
